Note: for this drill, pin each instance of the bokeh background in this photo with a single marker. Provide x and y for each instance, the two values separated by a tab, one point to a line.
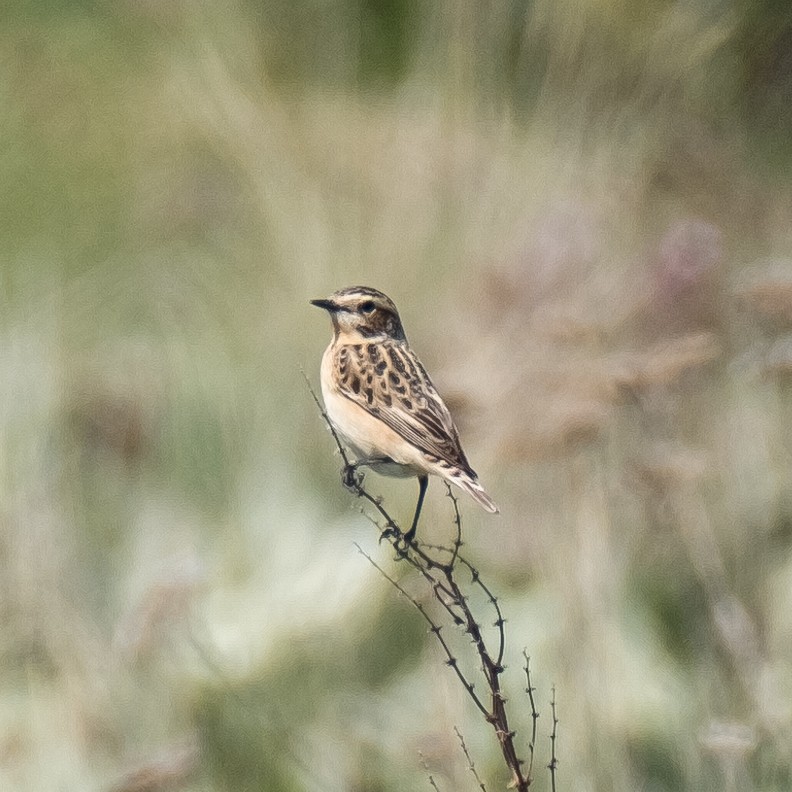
584	212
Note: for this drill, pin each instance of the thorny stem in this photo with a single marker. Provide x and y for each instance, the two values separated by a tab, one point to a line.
492	671
432	782
440	576
534	712
493	600
471	765
460	611
433	628
553	736
457	525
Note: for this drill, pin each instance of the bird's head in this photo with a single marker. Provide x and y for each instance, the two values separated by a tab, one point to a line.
363	314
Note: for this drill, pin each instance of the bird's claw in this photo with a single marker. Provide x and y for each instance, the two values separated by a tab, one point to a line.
391	532
351	477
401	542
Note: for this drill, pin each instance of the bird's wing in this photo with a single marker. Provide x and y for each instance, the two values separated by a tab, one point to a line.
388	381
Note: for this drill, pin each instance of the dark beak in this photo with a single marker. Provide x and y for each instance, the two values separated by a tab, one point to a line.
328	305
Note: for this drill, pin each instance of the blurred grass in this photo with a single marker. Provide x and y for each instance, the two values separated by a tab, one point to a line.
583	211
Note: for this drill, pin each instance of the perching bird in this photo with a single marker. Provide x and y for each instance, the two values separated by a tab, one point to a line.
381	401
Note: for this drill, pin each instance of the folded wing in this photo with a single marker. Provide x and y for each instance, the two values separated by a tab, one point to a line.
388	381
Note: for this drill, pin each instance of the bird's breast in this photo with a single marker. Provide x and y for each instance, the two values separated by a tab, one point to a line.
366	435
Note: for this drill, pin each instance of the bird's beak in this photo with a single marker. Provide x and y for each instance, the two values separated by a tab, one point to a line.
328	305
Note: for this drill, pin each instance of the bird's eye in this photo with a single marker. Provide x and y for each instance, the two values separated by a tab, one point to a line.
367	307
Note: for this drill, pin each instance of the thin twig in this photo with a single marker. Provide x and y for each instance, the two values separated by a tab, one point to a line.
492	671
534	714
341	449
432	782
493	600
476	580
457	523
434	628
553	736
471	765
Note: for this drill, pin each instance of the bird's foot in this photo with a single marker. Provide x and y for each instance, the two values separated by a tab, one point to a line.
352	477
391	532
401	542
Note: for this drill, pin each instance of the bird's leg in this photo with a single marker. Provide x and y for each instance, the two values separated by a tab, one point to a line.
423	481
349	475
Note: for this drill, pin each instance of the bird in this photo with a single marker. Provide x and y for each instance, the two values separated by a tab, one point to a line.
381	402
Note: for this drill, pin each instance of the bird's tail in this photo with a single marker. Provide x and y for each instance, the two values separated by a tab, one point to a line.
477	492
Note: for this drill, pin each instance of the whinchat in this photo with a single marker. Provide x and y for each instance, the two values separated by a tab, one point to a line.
381	401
